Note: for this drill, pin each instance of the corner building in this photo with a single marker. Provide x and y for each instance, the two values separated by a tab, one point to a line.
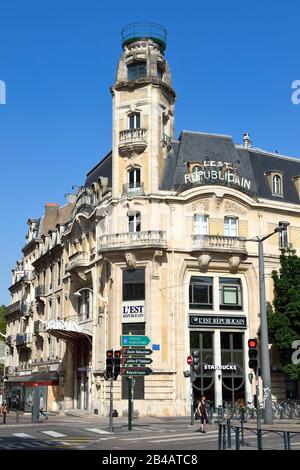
162	242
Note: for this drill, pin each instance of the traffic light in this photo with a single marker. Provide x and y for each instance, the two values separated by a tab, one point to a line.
117	363
196	361
253	354
109	363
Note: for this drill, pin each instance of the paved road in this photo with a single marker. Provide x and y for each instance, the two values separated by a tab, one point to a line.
67	432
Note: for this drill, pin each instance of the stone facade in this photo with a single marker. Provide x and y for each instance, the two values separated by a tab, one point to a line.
163	226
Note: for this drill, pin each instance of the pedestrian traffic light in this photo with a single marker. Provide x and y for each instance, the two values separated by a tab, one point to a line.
196	360
253	354
117	363
109	363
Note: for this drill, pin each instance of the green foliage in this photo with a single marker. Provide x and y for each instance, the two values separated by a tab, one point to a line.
2	319
284	320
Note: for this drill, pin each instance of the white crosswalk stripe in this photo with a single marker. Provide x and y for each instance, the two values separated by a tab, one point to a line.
53	434
23	435
190	438
98	431
168	436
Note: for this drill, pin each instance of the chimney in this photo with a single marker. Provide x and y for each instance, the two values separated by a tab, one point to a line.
247	140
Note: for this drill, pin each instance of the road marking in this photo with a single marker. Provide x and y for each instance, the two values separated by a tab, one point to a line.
167	436
185	438
23	435
98	431
53	433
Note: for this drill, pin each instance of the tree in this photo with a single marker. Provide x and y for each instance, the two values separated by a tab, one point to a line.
2	319
284	320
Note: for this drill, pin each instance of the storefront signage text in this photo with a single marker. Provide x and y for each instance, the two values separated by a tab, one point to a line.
213	170
217	321
222	367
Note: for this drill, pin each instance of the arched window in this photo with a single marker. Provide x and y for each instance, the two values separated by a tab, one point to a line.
134	121
277	186
137	70
134	178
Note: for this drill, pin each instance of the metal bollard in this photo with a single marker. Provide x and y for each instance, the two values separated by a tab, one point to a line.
288	438
4	418
242	432
228	434
224	436
237	438
259	439
17	415
285	440
219	436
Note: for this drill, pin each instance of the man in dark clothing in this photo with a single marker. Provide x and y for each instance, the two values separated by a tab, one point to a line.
201	409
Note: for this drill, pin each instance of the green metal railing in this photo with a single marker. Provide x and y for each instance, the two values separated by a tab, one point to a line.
136	31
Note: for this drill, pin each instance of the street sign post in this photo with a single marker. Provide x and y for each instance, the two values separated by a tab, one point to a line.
135	340
136	361
136	352
136	371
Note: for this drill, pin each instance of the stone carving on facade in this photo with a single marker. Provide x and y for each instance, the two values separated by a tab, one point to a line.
157	258
234	208
218	202
204	261
130	259
201	206
234	263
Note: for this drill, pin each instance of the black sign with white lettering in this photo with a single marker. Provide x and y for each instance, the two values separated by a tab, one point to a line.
216	321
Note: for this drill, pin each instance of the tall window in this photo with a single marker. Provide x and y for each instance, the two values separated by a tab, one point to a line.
233	382
84	305
230	291
134	222
230	226
283	236
134	178
277	186
201	292
58	272
134	121
137	70
133	284
200	224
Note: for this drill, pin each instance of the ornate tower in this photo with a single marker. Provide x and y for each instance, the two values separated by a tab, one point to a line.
143	111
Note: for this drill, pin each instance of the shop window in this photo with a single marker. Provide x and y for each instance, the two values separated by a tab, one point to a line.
200	224
233	382
133	284
230	290
230	227
201	292
137	70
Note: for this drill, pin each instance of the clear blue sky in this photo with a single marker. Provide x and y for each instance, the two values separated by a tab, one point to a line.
232	64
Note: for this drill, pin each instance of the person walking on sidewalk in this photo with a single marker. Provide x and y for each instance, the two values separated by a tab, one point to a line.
42	412
201	409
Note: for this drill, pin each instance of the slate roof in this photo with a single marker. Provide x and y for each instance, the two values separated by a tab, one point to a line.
103	168
251	164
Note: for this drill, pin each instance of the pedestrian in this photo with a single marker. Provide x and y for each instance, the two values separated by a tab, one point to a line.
4	410
201	409
42	412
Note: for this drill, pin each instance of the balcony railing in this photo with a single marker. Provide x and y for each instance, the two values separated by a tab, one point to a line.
15	307
132	141
150	238
81	258
133	189
40	291
23	339
218	243
38	326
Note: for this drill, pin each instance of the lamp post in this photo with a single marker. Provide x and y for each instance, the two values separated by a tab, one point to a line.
264	343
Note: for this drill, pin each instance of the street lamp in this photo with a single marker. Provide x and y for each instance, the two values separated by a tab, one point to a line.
265	357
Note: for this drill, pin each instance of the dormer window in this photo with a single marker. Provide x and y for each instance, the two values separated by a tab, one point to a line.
275	180
137	70
276	185
134	121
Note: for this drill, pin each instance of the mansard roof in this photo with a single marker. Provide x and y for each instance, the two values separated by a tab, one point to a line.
251	163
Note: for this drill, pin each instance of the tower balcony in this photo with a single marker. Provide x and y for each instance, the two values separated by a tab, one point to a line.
136	31
132	141
78	260
147	239
218	243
